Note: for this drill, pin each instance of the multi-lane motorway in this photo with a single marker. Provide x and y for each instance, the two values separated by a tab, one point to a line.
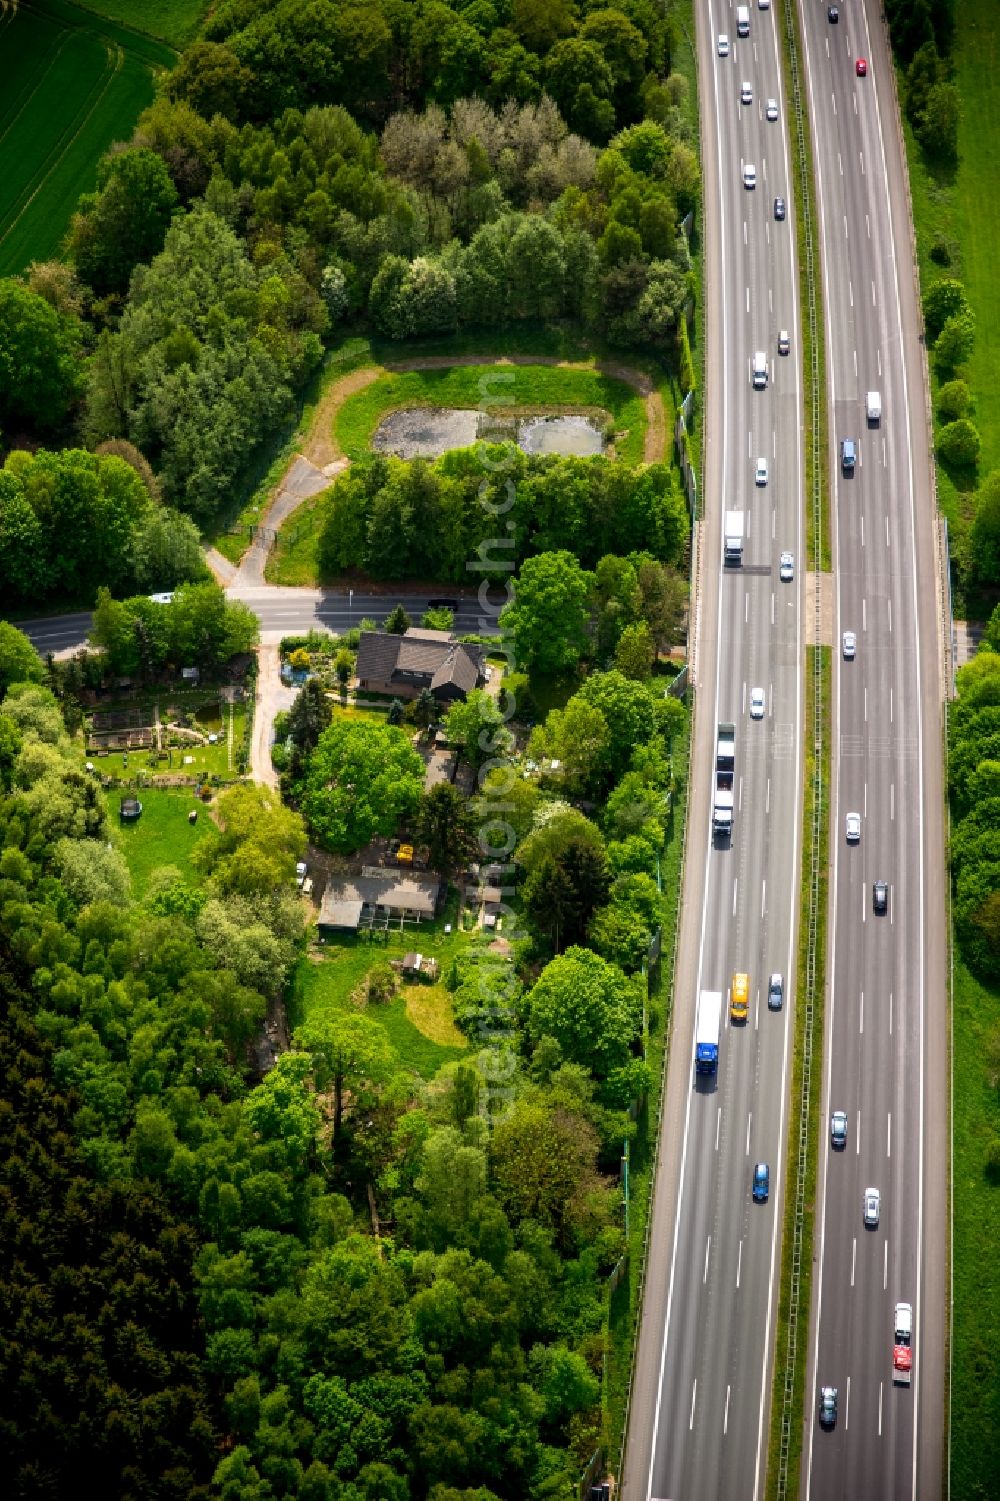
700	1404
700	1400
885	1035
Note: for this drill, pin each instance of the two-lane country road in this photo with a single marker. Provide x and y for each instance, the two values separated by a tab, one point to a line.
886	1040
700	1400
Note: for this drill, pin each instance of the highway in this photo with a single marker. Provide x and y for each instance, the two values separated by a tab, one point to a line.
700	1402
886	1040
282	612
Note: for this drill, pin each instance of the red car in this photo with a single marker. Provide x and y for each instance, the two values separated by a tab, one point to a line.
861	67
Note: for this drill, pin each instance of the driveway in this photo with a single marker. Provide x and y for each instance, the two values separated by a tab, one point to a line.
272	697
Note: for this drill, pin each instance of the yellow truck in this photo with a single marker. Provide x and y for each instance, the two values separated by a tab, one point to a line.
739	998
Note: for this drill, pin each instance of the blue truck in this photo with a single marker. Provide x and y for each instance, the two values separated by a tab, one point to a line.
707	1029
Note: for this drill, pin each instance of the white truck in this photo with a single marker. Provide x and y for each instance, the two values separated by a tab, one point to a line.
873	408
725	777
707	1032
732	538
902	1345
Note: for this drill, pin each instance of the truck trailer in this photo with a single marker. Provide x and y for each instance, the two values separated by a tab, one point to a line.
902	1347
725	776
732	538
706	1036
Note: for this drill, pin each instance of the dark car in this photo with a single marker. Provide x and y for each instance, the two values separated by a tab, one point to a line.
442	604
833	15
761	1183
880	898
828	1407
779	208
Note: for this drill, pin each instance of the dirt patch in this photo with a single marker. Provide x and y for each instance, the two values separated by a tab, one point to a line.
320	446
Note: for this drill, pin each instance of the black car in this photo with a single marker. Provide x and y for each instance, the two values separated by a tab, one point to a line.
833	15
442	604
880	898
779	208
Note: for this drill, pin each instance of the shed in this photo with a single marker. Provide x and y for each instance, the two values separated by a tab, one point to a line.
419	967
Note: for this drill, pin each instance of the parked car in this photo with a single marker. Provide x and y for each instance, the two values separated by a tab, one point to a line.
300	873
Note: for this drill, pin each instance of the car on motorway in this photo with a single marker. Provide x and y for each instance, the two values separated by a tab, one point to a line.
848	455
852	828
786	567
833	15
739	997
880	898
758	370
873	1207
760	473
861	67
775	992
756	703
761	1182
828	1407
838	1130
779	207
784	343
746	94
442	604
723	45
749	175
772	110
849	645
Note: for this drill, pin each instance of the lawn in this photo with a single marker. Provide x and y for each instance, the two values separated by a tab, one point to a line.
194	759
975	1390
516	390
70	85
962	211
418	1020
174	21
161	836
295	560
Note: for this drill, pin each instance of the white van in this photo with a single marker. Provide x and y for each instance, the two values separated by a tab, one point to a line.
873	406
758	375
743	20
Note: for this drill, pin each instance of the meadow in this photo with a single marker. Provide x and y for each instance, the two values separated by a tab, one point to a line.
161	836
174	21
70	85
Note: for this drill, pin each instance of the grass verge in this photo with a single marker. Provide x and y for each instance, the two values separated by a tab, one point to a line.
956	216
174	21
624	1307
162	836
975	1368
515	390
802	1154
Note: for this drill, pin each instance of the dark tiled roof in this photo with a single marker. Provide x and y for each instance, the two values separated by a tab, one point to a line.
434	655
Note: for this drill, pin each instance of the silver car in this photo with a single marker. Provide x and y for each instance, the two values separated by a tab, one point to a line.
756	703
772	109
849	642
873	1205
723	45
786	567
775	992
828	1407
749	175
852	828
746	94
838	1130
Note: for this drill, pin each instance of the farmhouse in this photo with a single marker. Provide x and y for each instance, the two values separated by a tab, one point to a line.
405	665
360	901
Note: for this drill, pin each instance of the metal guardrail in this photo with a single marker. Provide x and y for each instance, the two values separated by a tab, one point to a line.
808	1000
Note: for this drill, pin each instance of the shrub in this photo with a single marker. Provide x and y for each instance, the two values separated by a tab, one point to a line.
953	400
943	299
955	341
958	443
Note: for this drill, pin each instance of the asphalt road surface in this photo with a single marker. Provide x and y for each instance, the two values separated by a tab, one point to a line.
700	1404
286	612
886	1042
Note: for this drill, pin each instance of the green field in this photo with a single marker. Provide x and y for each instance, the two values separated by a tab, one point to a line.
174	21
70	85
517	389
161	836
962	209
975	1391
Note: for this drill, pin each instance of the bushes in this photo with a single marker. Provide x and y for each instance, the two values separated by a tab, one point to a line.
958	444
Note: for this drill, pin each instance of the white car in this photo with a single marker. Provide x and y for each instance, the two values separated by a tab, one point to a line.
756	703
723	45
786	567
300	873
749	176
852	828
873	1206
760	475
784	343
746	94
849	641
772	110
